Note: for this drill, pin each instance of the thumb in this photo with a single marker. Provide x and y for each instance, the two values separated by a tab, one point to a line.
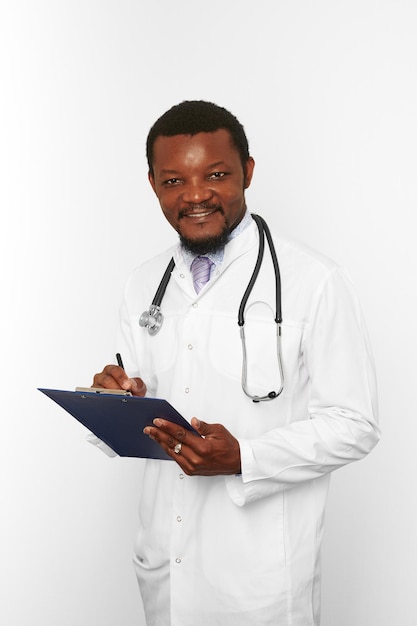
138	387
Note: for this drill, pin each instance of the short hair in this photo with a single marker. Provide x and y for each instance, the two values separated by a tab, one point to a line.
197	116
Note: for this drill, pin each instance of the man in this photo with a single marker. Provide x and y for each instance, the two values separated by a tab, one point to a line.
230	532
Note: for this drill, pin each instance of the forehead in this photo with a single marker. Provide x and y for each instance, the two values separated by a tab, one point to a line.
194	150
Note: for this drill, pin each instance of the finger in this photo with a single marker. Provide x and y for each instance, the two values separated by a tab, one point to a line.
168	435
111	377
178	432
201	427
120	376
166	441
170	442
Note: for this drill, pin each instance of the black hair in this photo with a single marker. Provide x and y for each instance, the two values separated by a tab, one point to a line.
197	116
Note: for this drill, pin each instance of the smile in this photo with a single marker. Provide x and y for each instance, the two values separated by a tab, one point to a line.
199	212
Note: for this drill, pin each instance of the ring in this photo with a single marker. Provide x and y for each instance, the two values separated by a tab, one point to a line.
177	448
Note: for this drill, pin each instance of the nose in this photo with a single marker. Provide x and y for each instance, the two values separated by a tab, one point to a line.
196	191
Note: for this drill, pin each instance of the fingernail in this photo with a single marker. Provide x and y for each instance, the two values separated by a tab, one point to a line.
157	421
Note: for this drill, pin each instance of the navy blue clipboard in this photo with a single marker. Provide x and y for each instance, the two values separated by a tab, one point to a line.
119	420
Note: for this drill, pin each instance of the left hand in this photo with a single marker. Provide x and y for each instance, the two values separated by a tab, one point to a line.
215	452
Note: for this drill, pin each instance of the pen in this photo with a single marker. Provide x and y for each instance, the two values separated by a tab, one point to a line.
119	360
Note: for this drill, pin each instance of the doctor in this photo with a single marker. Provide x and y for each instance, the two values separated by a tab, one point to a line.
230	532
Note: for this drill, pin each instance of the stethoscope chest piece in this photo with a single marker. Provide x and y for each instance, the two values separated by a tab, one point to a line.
152	320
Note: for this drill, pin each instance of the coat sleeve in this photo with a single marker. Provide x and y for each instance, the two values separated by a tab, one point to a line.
341	424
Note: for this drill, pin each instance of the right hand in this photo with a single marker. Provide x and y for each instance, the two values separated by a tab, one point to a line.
114	377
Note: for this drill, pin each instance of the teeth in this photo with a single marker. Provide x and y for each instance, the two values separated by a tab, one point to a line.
199	214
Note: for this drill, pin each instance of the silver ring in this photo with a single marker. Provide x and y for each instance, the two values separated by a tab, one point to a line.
177	448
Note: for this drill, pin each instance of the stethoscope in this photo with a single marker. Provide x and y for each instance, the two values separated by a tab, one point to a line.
152	319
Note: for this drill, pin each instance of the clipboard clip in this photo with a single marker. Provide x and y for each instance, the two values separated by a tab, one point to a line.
102	390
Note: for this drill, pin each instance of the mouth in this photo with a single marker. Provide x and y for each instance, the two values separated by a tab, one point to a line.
199	211
200	214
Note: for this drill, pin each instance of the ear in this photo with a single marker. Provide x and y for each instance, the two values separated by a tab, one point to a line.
152	181
249	167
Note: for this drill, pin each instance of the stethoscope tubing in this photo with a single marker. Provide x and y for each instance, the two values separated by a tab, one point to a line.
152	319
263	230
163	284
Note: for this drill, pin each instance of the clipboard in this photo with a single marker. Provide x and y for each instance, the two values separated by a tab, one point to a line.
119	419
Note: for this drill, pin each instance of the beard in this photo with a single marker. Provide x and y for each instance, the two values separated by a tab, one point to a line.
206	245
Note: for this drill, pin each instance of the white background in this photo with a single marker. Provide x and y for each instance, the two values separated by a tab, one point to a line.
327	93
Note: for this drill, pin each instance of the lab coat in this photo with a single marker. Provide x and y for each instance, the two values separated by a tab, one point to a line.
244	550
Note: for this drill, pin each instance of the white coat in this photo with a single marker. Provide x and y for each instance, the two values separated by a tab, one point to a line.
245	550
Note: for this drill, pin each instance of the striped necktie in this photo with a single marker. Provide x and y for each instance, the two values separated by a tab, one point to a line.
200	269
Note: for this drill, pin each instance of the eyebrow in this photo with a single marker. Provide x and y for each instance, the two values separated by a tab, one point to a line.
210	167
166	172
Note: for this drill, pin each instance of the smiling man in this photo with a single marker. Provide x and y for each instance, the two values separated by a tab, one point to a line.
230	531
200	181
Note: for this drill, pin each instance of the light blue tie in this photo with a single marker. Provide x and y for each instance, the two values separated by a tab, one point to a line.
200	269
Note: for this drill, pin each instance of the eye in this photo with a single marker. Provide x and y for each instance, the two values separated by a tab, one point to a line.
216	175
171	181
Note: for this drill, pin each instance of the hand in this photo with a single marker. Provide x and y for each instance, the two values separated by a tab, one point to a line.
114	377
215	452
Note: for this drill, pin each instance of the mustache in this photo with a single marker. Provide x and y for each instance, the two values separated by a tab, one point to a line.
204	206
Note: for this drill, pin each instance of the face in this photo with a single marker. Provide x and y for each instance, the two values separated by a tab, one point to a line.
200	184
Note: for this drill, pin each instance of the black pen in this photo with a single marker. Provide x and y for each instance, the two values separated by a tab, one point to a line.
119	360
